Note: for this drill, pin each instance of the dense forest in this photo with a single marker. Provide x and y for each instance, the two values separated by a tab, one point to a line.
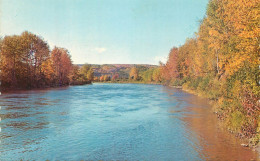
27	62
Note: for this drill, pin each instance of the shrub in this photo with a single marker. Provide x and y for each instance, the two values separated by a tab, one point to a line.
193	84
203	85
236	121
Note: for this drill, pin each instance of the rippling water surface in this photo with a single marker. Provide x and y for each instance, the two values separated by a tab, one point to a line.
113	122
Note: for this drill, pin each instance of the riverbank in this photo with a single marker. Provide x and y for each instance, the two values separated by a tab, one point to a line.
7	90
247	141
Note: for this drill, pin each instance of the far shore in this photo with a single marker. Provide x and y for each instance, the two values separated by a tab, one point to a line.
7	90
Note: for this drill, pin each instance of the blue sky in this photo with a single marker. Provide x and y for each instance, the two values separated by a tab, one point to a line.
106	31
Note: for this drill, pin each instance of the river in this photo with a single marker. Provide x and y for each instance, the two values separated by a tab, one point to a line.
113	122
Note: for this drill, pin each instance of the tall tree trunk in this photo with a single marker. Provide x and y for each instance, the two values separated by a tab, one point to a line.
217	61
14	82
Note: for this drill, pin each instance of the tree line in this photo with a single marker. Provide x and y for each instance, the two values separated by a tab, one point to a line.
27	62
136	74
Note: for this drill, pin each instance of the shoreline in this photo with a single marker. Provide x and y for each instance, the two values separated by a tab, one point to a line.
237	135
11	90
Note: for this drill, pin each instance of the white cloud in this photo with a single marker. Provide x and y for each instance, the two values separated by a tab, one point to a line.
88	54
163	59
100	50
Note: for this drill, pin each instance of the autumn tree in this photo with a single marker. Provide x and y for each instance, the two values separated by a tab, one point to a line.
115	77
134	74
101	78
36	52
96	79
205	58
170	69
48	72
74	75
106	78
61	63
11	55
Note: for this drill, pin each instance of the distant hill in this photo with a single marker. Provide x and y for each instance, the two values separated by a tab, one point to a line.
121	69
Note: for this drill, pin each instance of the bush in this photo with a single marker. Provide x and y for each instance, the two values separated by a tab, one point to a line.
176	82
213	90
203	85
236	121
193	84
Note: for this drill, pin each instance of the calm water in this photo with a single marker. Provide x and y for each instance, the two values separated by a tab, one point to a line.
113	122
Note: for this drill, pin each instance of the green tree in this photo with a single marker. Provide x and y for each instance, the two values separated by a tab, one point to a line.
86	72
157	75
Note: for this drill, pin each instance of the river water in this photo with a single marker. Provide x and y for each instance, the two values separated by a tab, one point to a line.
113	122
